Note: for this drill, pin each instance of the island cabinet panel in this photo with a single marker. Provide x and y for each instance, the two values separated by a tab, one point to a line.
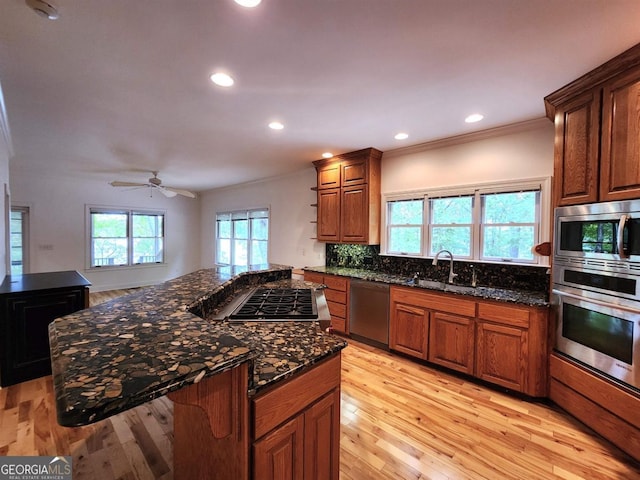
621	138
297	426
26	316
597	133
280	454
349	197
337	295
211	427
452	341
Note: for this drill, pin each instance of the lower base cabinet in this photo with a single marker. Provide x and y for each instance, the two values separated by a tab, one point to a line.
291	431
307	445
504	344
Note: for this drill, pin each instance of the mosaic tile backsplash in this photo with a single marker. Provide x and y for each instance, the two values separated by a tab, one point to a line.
368	257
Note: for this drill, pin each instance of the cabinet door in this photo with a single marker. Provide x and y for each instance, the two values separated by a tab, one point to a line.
329	176
451	341
354	227
409	328
280	454
322	439
577	134
354	172
620	160
502	355
25	328
329	215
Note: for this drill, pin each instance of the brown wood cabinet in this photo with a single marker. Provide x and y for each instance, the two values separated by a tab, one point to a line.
597	133
503	344
349	197
292	430
337	294
307	444
606	407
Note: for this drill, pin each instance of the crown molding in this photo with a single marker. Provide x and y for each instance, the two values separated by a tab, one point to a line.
470	137
4	125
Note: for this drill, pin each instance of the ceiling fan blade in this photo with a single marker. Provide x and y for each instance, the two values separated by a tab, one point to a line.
185	193
127	184
166	192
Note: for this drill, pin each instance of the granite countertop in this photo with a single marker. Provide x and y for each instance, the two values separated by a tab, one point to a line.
524	297
122	353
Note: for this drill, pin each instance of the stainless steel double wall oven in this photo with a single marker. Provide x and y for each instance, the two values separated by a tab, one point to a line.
596	287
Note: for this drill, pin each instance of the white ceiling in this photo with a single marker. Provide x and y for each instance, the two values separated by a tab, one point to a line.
116	88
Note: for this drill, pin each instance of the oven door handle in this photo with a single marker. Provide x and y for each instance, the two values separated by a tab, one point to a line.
621	226
561	293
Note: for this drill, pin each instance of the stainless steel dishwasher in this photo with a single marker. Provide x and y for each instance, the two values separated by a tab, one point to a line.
369	312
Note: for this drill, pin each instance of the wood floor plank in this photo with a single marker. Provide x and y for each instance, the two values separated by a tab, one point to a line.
399	420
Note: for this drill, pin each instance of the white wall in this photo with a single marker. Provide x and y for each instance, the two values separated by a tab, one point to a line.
4	184
289	198
58	239
514	154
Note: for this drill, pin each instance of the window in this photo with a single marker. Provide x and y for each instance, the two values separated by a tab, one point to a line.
121	237
451	224
405	226
509	225
500	222
19	240
242	237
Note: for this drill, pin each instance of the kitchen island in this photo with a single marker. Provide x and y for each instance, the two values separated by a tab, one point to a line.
226	379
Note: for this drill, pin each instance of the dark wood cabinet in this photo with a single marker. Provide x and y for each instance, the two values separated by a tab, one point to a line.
280	454
30	303
349	197
597	133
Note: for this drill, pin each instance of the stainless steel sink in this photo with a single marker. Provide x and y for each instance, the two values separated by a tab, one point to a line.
432	284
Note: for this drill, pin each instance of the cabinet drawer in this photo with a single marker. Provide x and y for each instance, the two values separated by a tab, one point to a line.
442	302
337	309
505	314
278	405
336	283
314	277
334	296
339	324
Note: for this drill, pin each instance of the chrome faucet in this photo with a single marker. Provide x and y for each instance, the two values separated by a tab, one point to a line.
435	262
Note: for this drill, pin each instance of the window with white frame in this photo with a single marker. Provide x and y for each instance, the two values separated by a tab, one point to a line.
125	237
499	222
242	237
19	240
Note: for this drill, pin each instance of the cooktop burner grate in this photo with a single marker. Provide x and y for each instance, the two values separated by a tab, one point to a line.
277	303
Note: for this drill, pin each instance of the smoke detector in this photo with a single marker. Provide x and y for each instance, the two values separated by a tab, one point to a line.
43	9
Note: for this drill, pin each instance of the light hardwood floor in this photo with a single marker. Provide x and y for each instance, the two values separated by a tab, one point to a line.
400	420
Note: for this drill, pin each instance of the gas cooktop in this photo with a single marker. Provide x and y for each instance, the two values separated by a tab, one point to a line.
277	304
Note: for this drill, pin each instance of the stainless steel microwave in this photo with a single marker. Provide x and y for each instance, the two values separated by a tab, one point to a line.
608	231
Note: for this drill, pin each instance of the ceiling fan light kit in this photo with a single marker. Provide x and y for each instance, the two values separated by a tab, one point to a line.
155	183
43	9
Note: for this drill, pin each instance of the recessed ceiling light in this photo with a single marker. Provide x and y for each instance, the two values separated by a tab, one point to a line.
473	118
248	3
222	79
327	155
276	126
401	136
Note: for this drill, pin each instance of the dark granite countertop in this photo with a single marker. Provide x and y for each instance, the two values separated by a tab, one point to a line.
523	297
30	282
122	353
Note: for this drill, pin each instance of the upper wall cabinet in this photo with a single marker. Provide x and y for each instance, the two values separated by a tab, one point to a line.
597	139
349	197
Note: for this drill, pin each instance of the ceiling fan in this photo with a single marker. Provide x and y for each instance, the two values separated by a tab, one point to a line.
155	183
